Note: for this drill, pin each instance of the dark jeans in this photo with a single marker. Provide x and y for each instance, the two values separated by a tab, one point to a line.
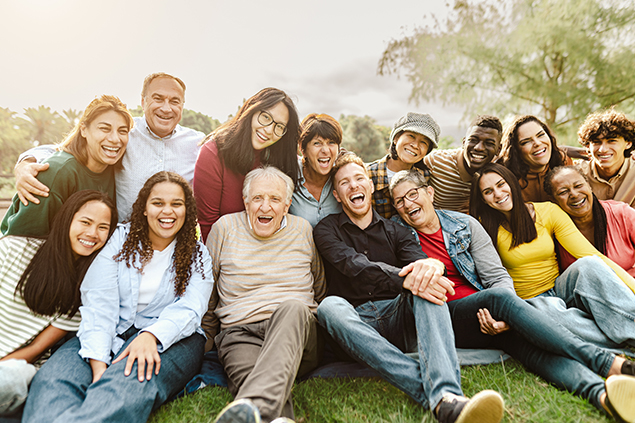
537	341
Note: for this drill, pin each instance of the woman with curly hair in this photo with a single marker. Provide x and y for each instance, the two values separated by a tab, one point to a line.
142	303
264	131
39	288
529	150
609	137
86	159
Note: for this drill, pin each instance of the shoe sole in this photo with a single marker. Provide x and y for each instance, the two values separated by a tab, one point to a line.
485	407
239	411
620	395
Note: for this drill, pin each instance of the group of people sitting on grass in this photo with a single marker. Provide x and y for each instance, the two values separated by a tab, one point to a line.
234	243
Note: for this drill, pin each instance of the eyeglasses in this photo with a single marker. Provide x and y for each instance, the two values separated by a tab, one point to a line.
411	196
265	119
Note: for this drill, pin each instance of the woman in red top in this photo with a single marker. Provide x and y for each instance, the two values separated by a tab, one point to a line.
264	131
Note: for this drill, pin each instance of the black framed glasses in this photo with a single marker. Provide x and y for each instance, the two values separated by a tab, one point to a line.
265	119
411	196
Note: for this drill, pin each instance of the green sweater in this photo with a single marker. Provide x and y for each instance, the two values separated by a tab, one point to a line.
64	177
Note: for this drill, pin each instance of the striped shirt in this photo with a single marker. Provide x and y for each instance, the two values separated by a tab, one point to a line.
450	179
18	325
254	275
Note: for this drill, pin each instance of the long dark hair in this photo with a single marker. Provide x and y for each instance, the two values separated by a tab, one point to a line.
234	137
599	214
523	228
138	244
50	283
511	157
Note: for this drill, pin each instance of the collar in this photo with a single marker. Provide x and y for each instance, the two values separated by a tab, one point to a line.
152	134
618	175
283	224
343	219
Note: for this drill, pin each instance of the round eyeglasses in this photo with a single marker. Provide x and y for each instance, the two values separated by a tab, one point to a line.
265	119
411	196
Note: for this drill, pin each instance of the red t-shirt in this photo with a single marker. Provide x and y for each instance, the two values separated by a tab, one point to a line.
434	247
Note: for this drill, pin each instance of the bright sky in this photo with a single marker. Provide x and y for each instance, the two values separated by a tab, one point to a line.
63	53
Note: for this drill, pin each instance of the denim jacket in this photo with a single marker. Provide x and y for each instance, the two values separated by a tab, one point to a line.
470	249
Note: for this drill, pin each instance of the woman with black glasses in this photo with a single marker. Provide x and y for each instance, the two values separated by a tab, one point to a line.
264	131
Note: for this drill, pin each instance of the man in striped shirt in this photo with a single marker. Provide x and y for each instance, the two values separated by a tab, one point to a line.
451	171
269	277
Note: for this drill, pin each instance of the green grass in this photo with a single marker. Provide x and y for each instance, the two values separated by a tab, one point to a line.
527	399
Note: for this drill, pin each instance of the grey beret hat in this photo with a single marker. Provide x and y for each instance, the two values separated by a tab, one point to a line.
421	123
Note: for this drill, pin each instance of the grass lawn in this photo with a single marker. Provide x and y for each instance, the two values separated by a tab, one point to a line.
527	399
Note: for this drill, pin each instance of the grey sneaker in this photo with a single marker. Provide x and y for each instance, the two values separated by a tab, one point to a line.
485	407
239	411
620	398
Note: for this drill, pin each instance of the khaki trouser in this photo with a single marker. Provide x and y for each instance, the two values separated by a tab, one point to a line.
262	359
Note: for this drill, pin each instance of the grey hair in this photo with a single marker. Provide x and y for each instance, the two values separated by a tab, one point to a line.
412	175
269	173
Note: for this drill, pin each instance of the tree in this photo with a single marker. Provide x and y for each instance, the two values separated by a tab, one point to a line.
13	141
199	121
364	137
560	59
43	125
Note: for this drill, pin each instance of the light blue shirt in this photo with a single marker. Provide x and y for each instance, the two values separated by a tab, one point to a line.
146	154
306	206
110	292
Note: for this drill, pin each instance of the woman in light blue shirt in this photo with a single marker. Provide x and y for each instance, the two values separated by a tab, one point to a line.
320	144
142	303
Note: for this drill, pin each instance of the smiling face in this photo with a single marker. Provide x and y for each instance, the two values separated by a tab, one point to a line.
534	145
165	211
572	193
608	154
163	105
320	154
496	192
89	228
411	147
106	140
353	188
266	205
263	136
418	213
480	146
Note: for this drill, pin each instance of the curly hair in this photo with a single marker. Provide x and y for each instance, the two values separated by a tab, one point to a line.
138	244
607	124
511	157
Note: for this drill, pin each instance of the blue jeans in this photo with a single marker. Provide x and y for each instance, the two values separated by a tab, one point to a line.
62	391
537	341
379	333
591	286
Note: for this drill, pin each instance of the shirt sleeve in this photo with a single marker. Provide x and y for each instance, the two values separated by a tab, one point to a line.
210	322
486	259
578	246
349	262
39	153
208	186
317	270
100	302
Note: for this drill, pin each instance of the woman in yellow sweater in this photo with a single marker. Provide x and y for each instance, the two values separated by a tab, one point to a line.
523	235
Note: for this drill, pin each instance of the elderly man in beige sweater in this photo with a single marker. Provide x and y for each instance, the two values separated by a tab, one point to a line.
269	278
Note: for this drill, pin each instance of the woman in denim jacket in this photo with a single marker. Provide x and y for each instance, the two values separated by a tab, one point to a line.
486	312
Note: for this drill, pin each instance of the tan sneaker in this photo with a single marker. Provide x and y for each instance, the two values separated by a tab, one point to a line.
239	411
620	398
